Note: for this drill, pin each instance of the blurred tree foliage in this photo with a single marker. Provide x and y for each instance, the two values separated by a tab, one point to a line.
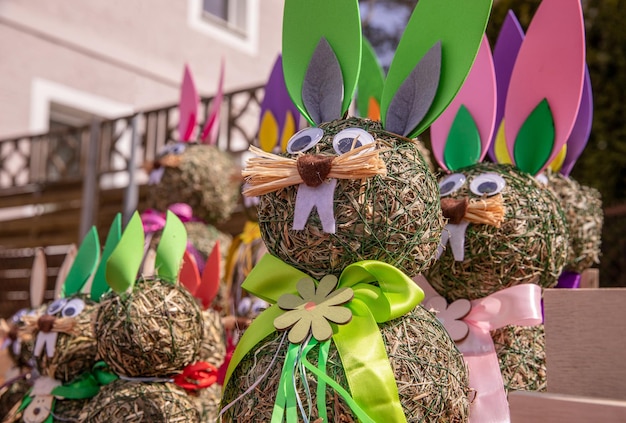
603	163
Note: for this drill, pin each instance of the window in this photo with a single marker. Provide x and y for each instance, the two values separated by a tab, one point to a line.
235	22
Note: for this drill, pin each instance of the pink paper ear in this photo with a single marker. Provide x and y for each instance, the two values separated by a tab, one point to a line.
550	65
210	278
189	275
188	107
38	279
478	95
212	126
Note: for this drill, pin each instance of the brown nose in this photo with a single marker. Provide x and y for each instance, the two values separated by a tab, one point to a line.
45	323
314	169
454	209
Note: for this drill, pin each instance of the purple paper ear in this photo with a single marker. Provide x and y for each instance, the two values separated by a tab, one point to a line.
212	126
478	95
188	107
550	67
582	128
505	52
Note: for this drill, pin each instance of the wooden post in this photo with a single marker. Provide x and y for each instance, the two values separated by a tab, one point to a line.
131	194
90	182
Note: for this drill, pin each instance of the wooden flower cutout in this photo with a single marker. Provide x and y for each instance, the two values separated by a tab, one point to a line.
451	315
312	310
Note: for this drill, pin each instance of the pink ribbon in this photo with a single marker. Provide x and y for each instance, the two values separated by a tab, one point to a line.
518	305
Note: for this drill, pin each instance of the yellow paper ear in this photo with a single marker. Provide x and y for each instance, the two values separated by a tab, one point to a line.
268	132
501	151
557	163
288	130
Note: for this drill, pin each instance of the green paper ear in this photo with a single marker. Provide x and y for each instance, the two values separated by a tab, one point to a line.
305	23
84	265
459	25
125	260
371	80
172	246
463	144
535	139
99	285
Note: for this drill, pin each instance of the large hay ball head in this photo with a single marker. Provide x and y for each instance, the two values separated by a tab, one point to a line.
530	246
395	218
155	330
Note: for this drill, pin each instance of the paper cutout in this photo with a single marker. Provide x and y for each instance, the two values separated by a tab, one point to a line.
556	164
459	26
582	127
370	85
550	65
455	235
416	94
189	275
463	144
322	87
478	96
313	308
84	265
501	150
124	262
99	285
38	278
188	106
504	54
320	197
535	140
268	132
305	22
451	316
171	248
210	284
68	261
277	103
212	126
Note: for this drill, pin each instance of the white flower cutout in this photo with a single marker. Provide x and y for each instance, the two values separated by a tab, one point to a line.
451	315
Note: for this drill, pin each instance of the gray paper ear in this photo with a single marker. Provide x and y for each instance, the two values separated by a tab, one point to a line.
322	88
416	94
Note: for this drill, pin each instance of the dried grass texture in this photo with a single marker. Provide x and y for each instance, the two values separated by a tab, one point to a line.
154	331
75	352
394	218
213	342
430	373
206	179
582	206
522	356
530	246
12	395
135	402
207	402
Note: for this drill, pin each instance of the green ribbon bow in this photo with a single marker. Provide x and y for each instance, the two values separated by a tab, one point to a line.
381	293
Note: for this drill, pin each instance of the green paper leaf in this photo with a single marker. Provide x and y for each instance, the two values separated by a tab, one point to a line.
99	285
460	25
535	139
125	260
169	254
84	265
371	80
305	22
463	144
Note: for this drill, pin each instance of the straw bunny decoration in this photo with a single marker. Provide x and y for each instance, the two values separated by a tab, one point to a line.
506	231
377	217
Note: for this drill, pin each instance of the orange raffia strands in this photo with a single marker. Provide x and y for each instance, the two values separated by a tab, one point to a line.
269	172
489	211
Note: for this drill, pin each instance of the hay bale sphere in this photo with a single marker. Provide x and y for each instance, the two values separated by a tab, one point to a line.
430	373
395	218
12	395
583	211
135	402
204	177
531	245
153	331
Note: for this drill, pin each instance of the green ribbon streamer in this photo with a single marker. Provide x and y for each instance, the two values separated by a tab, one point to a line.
286	395
381	293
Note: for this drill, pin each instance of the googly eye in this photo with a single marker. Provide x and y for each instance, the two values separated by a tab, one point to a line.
56	306
258	306
304	140
243	308
487	184
451	183
18	316
351	138
542	179
73	308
